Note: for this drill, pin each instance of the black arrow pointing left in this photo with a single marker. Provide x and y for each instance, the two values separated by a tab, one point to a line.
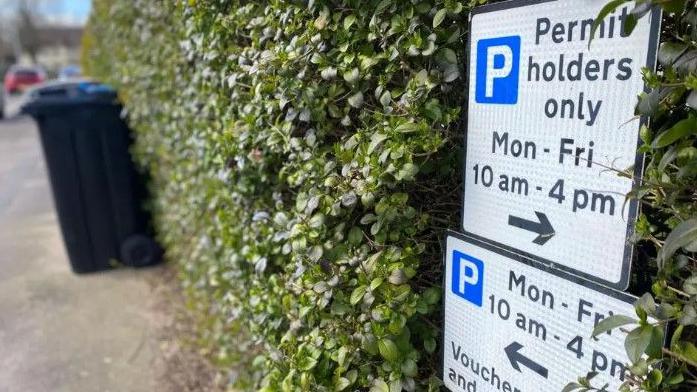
516	358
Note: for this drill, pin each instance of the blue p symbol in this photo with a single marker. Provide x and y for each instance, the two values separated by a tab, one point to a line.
468	278
498	64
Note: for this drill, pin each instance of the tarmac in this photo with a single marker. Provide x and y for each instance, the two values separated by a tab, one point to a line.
60	331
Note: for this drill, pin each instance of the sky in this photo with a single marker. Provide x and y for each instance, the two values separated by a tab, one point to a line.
70	12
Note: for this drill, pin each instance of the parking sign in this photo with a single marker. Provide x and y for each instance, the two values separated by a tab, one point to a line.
532	330
468	277
498	65
550	124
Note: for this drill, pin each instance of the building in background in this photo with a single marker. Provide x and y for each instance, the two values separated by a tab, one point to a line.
47	33
57	46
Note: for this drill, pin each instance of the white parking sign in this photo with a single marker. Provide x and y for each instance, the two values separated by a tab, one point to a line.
550	124
513	325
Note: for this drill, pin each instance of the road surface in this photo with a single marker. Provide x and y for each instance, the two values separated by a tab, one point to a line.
59	331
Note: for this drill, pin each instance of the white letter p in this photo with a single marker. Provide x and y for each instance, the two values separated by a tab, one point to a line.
467	279
496	73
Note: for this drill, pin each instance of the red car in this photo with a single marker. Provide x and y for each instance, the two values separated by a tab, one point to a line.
18	79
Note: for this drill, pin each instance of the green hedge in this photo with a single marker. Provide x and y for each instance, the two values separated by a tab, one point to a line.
305	167
305	159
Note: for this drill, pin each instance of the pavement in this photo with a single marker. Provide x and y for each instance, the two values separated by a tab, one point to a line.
13	104
60	331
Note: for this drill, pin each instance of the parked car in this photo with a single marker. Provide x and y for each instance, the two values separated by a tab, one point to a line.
69	72
19	78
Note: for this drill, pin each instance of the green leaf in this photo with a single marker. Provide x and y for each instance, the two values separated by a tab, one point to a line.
670	52
375	141
382	5
409	368
368	218
673	6
307	363
322	20
397	277
349	21
605	11
439	17
396	386
432	295
689	351
455	8
684	234
341	384
689	170
340	308
675	379
379	386
645	134
649	102
668	158
352	75
687	63
690	285
408	171
430	345
646	303
655	377
358	294
316	253
356	100
678	131
448	55
386	98
355	235
388	350
639	368
630	23
637	341
665	311
450	73
655	347
675	339
573	386
341	355
432	110
407	128
328	73
611	323
375	283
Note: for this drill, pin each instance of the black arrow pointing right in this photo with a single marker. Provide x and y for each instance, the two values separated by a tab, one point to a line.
543	228
516	358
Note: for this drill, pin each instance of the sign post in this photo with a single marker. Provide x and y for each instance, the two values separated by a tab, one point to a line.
515	325
550	126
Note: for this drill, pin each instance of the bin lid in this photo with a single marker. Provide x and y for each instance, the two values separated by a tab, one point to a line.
68	93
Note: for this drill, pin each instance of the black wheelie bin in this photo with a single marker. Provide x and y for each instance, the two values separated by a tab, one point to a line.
96	188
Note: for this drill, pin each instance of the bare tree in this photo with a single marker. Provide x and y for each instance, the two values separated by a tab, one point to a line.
7	49
27	30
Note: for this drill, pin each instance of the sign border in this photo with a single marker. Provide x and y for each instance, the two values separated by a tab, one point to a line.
493	247
633	213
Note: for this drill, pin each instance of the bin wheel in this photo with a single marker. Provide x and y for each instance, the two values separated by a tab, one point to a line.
140	251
